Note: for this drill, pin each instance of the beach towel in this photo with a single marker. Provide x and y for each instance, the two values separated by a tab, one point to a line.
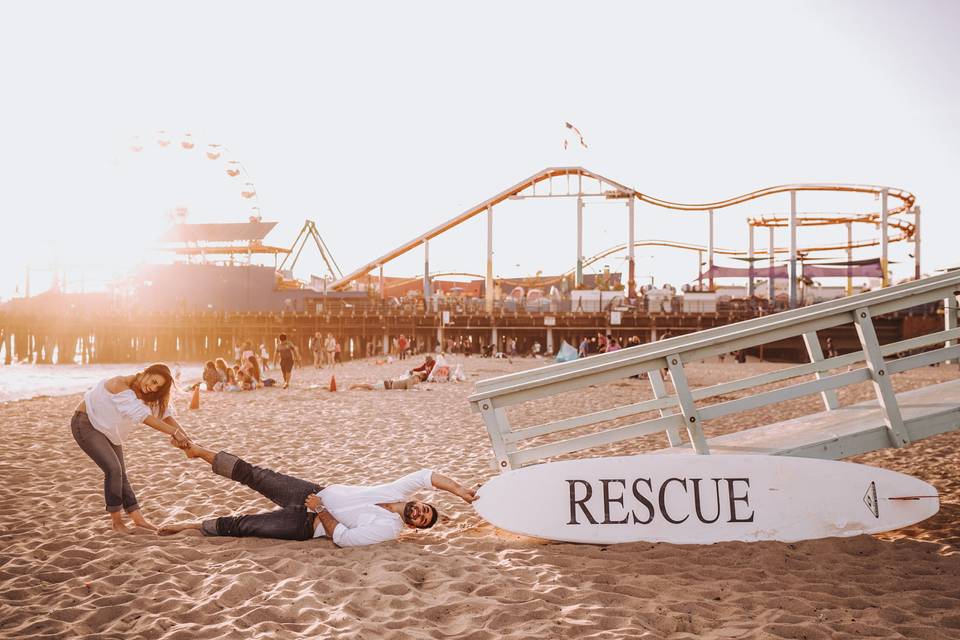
440	371
566	352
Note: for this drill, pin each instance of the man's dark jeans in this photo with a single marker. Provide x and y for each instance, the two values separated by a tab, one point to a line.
291	521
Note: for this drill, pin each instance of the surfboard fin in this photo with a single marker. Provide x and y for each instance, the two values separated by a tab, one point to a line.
870	499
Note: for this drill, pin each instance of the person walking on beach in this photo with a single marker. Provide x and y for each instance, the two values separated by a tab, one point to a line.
351	516
264	358
286	354
317	347
111	410
330	347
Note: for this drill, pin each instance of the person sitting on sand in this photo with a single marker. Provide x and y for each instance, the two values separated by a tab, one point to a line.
423	371
351	516
246	381
227	377
252	368
111	410
210	375
397	384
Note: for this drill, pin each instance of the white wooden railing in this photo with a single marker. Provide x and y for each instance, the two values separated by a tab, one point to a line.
680	410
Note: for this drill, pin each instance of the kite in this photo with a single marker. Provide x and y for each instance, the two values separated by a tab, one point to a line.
579	135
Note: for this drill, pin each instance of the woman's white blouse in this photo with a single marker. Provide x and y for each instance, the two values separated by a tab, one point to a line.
115	414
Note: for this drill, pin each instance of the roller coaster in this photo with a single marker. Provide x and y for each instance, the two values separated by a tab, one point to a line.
898	223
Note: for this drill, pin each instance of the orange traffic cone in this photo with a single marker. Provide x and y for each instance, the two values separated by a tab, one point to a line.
333	383
195	400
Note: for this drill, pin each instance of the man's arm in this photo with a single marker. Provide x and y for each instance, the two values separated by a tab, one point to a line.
329	522
343	536
444	483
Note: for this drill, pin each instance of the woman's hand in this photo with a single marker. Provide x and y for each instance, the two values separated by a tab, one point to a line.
313	502
181	439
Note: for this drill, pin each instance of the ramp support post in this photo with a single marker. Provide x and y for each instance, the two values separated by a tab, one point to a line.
810	339
497	425
660	391
896	430
687	406
950	320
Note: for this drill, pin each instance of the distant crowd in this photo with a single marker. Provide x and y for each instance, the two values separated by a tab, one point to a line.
246	374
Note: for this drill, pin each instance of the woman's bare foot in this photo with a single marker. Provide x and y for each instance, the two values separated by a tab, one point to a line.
173	529
121	527
140	521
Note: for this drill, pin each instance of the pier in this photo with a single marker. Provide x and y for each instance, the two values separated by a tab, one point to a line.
369	330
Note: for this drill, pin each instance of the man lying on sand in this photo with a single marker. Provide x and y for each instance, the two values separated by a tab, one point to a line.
351	516
397	384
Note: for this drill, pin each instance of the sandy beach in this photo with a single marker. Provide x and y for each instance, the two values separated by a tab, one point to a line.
63	574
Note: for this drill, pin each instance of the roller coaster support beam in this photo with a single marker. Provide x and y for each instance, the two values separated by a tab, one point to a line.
488	283
632	264
771	294
579	277
884	213
849	258
792	270
916	243
710	249
750	287
383	283
426	273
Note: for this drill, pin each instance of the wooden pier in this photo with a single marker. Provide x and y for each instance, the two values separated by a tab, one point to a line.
92	337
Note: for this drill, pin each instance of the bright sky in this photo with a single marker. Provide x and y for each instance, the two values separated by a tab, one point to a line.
380	120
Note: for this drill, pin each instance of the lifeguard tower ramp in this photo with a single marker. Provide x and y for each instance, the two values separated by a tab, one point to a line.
891	420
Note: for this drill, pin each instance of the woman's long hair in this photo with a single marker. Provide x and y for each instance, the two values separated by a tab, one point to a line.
159	399
254	368
227	371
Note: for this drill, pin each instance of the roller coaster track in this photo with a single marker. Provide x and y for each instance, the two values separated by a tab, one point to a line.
615	190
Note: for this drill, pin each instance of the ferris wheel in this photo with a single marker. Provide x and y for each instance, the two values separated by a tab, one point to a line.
214	152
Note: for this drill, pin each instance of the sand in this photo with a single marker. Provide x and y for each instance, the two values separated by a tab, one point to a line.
63	574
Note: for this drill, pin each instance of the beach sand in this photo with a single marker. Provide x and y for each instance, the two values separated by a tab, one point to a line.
63	574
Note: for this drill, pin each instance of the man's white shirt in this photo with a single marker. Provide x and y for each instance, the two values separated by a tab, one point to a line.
361	521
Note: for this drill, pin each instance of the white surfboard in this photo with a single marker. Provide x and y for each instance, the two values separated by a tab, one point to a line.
703	499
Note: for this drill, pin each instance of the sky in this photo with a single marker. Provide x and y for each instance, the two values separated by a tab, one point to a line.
379	120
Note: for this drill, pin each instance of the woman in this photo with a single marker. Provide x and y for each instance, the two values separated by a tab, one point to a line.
110	411
286	354
211	376
252	368
227	378
246	381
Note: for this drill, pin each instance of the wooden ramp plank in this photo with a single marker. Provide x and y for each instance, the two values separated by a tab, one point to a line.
846	431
